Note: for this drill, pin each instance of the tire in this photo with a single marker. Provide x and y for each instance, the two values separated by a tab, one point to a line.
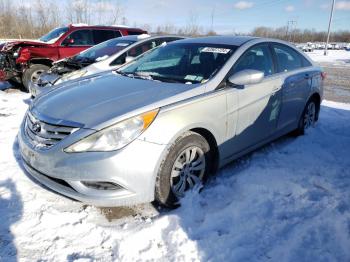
178	172
308	117
32	74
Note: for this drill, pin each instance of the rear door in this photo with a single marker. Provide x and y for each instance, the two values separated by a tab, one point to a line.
297	83
76	42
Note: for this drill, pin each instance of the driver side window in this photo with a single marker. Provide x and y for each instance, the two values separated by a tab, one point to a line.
256	58
79	38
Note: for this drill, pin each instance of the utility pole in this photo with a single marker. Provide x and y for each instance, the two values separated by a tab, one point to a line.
329	28
212	15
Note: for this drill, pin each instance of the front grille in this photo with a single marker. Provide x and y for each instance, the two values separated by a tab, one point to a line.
45	135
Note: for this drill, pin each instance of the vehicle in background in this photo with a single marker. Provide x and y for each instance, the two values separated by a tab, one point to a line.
334	46
165	122
108	55
308	47
24	61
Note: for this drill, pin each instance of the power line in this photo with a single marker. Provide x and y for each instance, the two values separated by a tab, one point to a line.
291	26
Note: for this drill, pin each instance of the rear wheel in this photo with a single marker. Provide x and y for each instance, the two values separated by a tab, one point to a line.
308	118
32	74
188	163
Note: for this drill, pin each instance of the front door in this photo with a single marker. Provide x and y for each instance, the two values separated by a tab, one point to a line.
258	104
75	43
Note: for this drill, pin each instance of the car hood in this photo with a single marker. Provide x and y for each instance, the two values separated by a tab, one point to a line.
14	44
104	99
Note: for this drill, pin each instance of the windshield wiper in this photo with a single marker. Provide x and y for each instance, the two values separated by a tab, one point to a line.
166	79
135	75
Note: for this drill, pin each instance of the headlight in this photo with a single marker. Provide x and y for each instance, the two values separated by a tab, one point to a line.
116	136
71	76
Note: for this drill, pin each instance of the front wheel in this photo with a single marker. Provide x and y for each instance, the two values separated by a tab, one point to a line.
32	74
188	163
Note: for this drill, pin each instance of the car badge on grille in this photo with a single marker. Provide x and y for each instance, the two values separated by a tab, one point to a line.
36	127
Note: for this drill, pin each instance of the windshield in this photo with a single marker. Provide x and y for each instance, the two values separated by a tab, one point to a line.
54	34
103	50
181	62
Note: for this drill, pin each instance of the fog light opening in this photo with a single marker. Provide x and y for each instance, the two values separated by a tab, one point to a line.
101	185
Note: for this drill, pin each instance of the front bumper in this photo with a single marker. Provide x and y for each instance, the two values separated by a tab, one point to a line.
7	67
133	168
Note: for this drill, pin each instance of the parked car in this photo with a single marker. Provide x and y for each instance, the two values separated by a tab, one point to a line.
165	122
24	61
309	47
108	55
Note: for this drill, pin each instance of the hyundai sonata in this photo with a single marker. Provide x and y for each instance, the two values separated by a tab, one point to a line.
168	120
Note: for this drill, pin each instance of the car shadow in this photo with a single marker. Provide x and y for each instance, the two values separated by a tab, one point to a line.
4	85
11	210
239	227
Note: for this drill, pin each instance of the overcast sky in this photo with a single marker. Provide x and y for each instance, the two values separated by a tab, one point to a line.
239	16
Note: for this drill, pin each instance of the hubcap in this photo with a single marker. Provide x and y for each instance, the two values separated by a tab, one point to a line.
310	115
36	75
188	170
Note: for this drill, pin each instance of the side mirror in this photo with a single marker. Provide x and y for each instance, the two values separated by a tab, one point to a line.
246	77
128	59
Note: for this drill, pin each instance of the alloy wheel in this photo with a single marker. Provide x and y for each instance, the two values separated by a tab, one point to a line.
35	76
310	115
188	170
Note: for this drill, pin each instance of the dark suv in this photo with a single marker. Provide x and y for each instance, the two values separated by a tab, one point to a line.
24	61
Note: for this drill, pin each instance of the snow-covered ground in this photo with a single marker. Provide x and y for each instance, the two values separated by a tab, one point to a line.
286	202
337	57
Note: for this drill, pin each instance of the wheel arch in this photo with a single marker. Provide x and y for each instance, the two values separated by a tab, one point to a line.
41	61
212	143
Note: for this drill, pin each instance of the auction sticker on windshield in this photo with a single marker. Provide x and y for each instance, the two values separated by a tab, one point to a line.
215	50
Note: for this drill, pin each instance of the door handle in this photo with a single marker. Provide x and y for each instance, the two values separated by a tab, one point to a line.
307	76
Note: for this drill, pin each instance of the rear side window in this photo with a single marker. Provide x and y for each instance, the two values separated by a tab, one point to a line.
306	63
104	35
287	58
256	58
134	33
80	38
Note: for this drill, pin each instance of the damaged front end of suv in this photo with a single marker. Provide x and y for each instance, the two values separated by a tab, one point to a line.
15	58
10	66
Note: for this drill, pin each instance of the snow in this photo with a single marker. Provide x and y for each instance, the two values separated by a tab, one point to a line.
340	57
288	201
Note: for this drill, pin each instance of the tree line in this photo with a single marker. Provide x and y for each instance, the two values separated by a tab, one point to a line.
30	21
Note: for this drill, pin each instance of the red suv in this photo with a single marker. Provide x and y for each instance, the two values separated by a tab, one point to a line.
24	61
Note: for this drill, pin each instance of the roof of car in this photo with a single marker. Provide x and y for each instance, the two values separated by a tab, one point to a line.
224	40
148	37
81	25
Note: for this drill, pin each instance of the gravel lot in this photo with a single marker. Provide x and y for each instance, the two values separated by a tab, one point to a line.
337	84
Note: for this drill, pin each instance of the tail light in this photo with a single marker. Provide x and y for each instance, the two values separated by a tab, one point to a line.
24	56
323	75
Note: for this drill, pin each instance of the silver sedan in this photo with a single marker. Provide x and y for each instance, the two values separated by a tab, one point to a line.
165	122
